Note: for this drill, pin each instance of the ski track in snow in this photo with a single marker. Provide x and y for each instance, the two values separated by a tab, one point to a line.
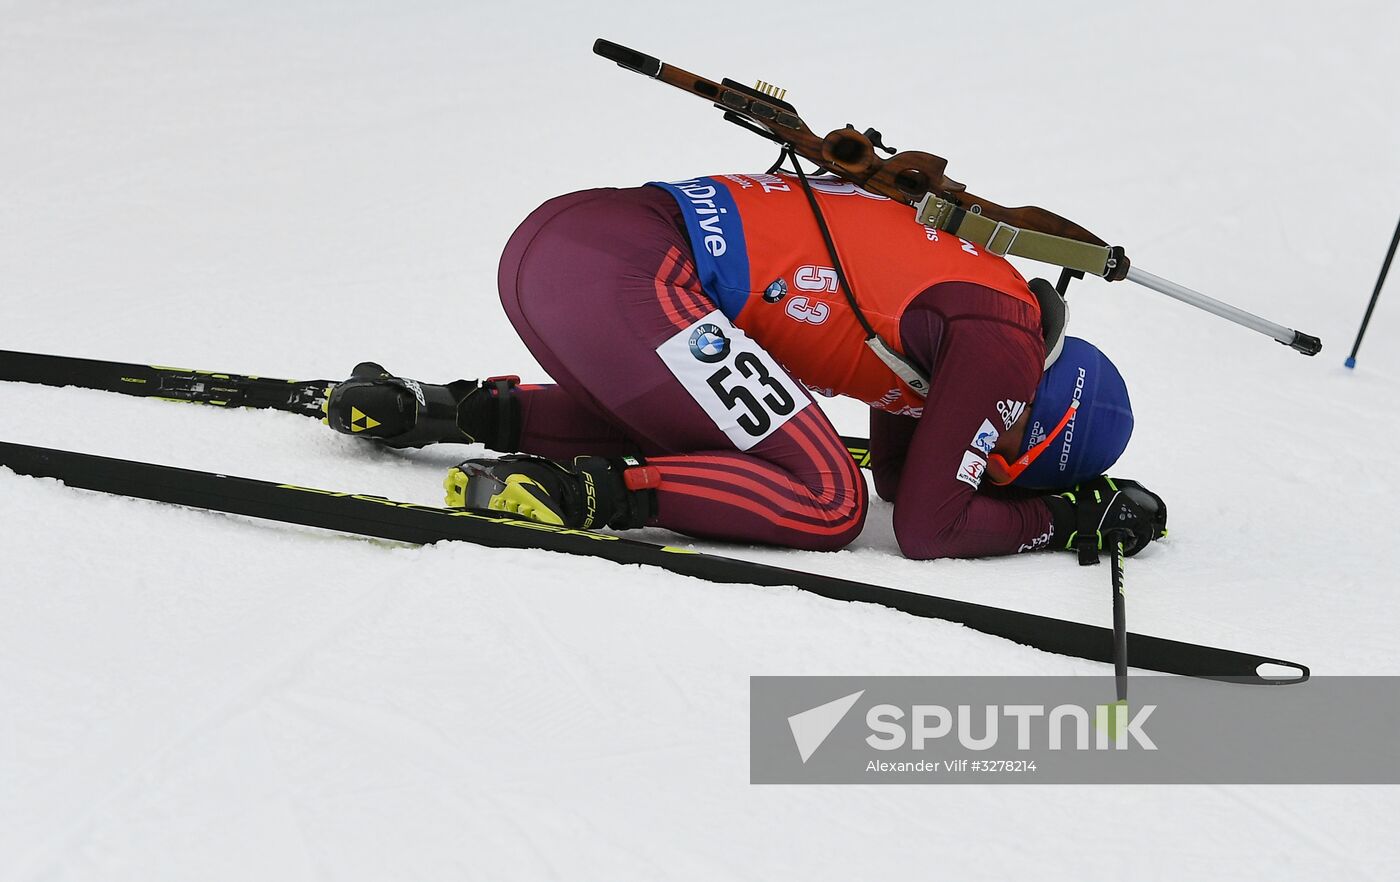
289	189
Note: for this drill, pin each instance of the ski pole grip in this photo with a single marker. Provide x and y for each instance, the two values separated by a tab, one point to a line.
628	58
1305	343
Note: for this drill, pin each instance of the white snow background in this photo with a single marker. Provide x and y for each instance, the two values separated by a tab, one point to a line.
288	188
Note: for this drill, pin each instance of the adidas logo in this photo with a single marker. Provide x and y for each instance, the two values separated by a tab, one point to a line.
1010	411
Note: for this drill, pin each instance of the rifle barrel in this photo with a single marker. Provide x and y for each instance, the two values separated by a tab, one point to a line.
1304	343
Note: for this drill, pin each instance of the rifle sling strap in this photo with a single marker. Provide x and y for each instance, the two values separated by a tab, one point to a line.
899	365
902	367
1003	239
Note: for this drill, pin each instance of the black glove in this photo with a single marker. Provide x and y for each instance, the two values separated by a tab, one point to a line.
1103	511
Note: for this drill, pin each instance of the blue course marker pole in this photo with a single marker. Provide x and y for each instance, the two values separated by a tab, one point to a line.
1375	295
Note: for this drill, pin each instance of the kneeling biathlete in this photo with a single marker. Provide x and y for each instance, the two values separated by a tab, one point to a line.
687	325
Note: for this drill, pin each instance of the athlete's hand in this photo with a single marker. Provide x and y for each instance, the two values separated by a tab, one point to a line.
1105	510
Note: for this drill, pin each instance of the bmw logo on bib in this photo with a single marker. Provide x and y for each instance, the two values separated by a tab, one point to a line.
708	343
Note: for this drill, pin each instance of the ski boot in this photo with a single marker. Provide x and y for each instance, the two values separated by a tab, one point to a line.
597	492
406	413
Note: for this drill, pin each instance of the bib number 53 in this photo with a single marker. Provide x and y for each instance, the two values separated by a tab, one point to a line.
735	382
755	414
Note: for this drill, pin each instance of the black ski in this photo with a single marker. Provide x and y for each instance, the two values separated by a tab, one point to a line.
166	383
305	397
407	522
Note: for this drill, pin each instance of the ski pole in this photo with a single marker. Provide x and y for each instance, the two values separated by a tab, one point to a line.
1090	547
1304	343
1120	622
1375	295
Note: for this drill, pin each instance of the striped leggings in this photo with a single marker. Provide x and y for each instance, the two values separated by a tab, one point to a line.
595	283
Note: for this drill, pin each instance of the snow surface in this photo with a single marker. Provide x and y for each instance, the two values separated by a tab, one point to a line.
288	188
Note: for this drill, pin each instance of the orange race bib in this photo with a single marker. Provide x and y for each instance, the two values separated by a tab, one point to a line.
762	260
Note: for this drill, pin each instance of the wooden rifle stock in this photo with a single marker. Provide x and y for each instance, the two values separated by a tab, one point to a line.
907	176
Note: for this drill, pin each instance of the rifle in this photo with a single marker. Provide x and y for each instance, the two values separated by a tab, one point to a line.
919	180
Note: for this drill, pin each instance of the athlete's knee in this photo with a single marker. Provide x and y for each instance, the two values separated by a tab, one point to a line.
836	539
920	537
843	522
851	527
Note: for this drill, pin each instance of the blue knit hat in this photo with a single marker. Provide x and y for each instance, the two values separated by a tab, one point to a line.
1097	434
